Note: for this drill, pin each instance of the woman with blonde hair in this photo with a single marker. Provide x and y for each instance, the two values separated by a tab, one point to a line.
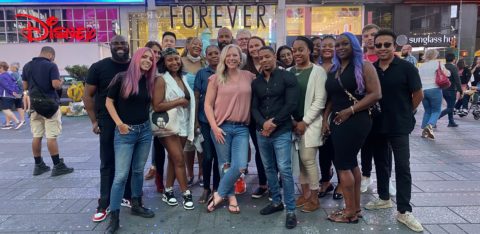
432	101
227	107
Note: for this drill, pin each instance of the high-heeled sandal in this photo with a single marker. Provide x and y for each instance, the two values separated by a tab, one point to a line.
337	196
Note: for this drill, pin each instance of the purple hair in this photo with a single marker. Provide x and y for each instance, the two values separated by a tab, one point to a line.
134	74
356	59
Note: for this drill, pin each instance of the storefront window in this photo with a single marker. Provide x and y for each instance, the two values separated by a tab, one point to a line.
379	15
204	22
323	20
11	26
431	19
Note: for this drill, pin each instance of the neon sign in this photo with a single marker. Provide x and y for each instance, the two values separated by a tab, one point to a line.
48	30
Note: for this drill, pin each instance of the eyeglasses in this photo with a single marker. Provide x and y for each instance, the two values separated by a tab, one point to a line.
385	45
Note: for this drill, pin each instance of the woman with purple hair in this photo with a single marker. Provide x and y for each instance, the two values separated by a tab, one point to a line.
128	103
352	87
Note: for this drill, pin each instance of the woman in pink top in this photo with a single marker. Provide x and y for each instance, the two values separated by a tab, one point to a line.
227	107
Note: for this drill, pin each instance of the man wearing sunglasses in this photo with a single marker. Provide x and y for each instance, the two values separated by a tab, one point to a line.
401	94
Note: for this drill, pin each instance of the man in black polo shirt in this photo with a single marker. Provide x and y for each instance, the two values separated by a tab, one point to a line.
401	94
42	74
98	79
274	97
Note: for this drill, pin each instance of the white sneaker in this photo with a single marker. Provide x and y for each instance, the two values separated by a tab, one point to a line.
379	204
366	181
391	189
409	220
126	203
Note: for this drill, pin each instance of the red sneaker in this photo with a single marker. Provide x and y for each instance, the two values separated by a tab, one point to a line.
100	215
240	186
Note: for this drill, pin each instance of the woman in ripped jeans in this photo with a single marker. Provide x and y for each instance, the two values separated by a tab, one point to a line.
227	107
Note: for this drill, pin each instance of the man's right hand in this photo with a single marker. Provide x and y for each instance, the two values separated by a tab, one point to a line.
95	128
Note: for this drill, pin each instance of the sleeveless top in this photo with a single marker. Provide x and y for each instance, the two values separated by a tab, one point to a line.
336	93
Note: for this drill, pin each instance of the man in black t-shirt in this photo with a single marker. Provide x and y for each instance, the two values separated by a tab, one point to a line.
401	94
42	75
450	93
98	80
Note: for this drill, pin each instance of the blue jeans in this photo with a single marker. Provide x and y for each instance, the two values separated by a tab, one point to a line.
232	156
432	103
279	148
450	97
131	150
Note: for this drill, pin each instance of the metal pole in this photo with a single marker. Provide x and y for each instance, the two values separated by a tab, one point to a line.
459	28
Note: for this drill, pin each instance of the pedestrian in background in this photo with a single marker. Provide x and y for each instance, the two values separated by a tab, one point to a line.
432	101
42	74
128	103
450	93
9	92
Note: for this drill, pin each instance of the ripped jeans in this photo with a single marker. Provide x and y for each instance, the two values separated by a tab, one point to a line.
232	156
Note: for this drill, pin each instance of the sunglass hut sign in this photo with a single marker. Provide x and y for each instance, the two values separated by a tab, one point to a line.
432	40
217	16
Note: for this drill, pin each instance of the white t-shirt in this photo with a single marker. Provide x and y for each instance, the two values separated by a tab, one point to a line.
427	74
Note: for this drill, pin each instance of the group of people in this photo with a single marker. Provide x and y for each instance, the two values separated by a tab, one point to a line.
322	96
11	96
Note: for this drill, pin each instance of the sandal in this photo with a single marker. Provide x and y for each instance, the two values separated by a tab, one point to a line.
359	214
205	197
236	211
211	201
340	217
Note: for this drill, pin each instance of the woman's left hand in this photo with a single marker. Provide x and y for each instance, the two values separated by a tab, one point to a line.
342	116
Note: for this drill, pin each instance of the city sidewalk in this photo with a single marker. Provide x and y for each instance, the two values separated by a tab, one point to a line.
445	172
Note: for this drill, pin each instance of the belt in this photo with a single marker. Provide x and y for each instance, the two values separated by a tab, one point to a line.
235	123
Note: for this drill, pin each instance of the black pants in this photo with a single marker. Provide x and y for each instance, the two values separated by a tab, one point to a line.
209	157
326	154
401	151
450	97
107	163
262	177
367	156
158	156
462	102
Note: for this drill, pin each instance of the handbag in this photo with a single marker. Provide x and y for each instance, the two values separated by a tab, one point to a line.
374	110
441	79
164	123
40	102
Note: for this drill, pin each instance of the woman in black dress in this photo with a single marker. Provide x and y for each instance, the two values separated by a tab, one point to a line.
352	87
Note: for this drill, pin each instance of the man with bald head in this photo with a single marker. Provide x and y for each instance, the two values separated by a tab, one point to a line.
224	37
407	54
98	79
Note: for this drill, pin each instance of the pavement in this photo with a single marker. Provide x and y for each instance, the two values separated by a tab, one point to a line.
445	191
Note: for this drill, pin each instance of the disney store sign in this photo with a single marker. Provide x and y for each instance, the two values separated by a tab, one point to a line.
49	29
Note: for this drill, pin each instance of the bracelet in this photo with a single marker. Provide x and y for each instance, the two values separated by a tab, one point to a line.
353	111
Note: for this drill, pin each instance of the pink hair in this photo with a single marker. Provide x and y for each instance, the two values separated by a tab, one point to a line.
134	74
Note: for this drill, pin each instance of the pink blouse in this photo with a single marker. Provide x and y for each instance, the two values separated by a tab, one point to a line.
233	99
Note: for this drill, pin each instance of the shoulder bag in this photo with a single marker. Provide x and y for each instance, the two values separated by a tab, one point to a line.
441	79
41	103
374	110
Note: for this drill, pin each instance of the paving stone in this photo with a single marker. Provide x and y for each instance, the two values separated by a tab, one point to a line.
448	186
27	206
470	228
60	182
7	183
72	193
436	215
434	229
41	222
452	229
469	213
3	218
446	199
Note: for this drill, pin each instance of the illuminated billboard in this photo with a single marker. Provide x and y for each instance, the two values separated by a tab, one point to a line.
68	2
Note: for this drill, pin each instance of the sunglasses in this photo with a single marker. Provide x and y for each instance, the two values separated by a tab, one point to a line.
385	45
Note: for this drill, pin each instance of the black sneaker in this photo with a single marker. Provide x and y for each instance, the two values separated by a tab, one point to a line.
271	208
259	193
291	220
188	200
169	198
190	182
40	169
61	169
